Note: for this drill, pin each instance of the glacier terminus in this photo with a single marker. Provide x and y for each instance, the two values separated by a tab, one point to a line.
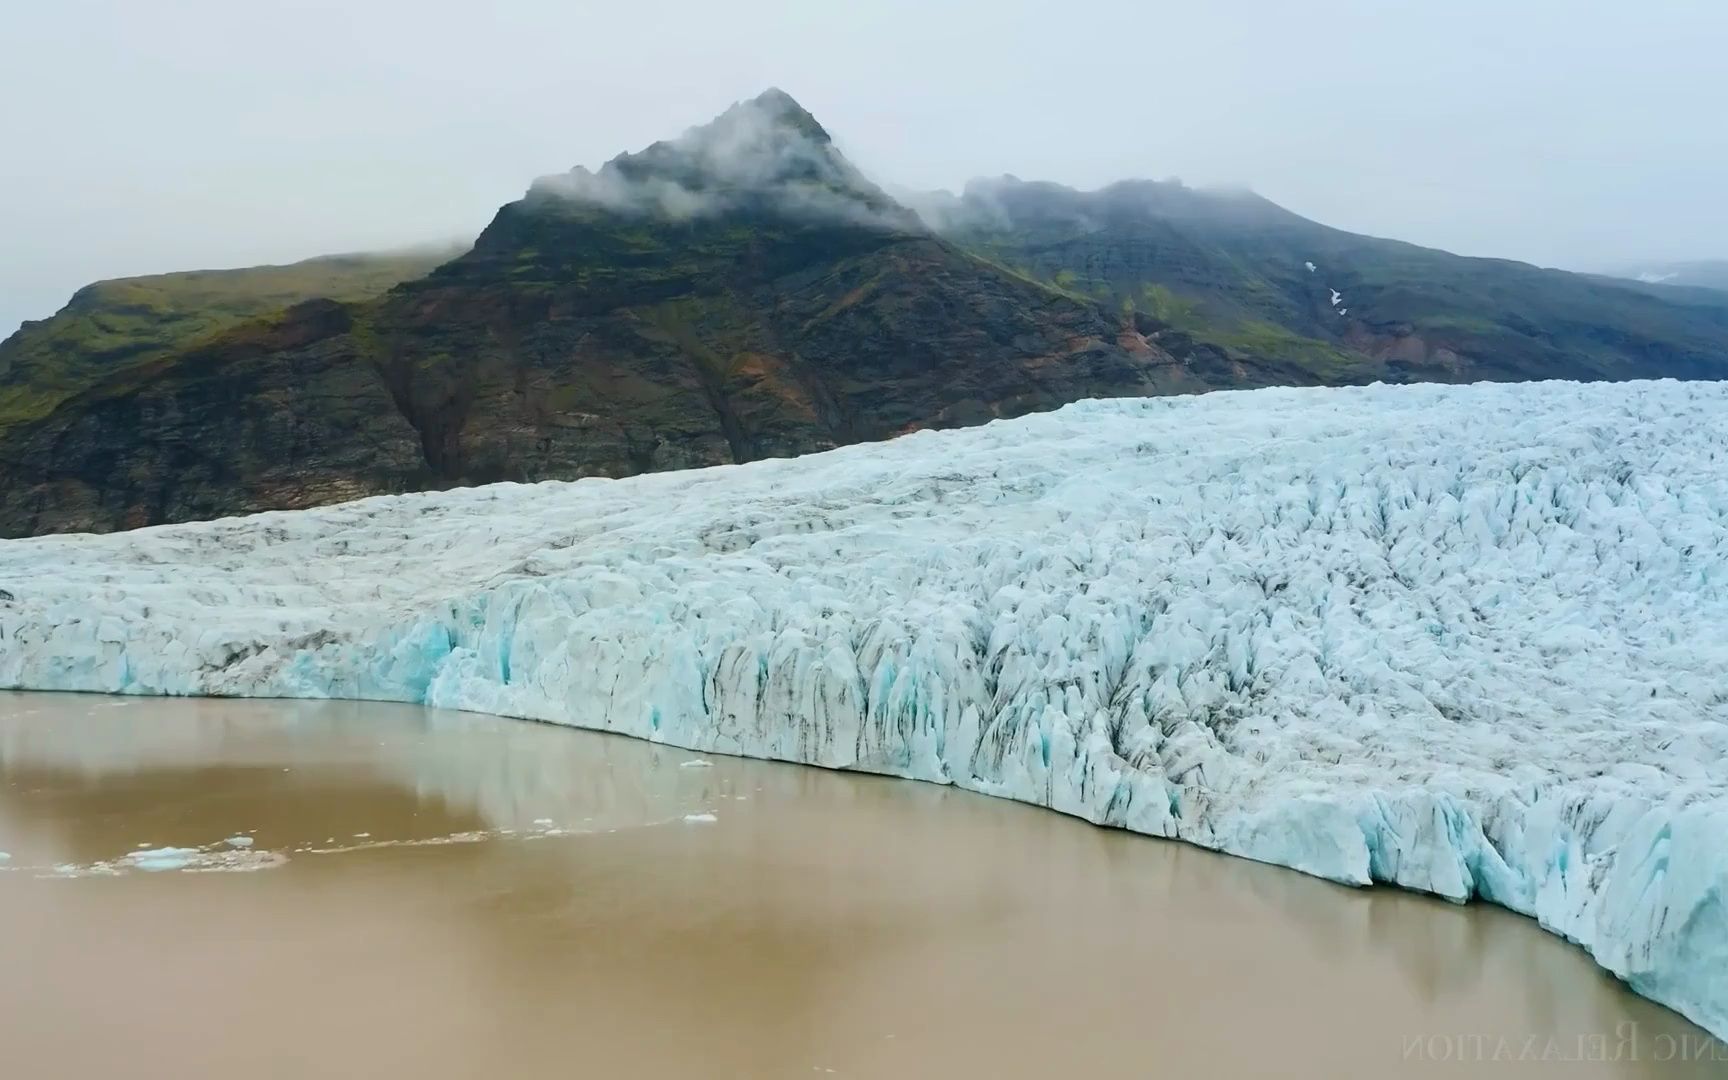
1468	640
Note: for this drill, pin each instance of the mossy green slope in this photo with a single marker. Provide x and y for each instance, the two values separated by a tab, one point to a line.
127	321
1236	272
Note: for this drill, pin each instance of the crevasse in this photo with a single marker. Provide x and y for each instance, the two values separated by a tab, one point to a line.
1466	640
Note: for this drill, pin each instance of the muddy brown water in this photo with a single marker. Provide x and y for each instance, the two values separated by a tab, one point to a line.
368	890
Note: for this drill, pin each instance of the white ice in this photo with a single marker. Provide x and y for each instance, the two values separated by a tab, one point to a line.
1311	267
1337	297
167	858
1468	640
699	818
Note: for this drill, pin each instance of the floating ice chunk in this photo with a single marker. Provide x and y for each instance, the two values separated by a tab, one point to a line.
543	822
5	856
1343	311
696	763
164	858
694	818
241	861
1311	267
238	841
1336	296
362	835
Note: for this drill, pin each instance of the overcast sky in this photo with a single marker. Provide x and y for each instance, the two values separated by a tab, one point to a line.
178	134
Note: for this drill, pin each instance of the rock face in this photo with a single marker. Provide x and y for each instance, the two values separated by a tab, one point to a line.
276	413
738	293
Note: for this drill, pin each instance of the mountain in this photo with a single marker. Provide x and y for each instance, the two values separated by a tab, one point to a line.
736	293
114	324
1701	274
742	291
1242	274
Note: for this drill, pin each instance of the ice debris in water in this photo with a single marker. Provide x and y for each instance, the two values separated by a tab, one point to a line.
694	818
239	841
1471	640
5	856
696	763
223	856
164	858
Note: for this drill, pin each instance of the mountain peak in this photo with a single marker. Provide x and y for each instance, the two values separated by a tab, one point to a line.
783	110
766	154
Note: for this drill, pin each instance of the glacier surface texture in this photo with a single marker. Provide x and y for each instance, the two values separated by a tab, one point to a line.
1466	640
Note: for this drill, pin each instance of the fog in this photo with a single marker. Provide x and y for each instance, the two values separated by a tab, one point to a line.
148	137
760	149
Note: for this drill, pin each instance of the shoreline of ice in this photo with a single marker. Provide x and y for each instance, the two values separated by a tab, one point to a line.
1466	640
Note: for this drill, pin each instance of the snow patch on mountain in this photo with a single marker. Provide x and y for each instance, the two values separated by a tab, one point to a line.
1466	640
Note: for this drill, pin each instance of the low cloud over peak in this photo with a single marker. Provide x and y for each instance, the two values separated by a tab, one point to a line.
766	153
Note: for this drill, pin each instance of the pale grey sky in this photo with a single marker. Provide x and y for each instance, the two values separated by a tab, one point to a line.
143	137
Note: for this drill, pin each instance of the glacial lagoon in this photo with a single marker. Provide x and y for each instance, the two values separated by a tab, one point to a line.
219	888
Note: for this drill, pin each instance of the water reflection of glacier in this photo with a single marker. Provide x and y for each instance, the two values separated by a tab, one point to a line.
509	773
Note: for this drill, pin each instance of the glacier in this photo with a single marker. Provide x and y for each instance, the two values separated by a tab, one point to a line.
1466	640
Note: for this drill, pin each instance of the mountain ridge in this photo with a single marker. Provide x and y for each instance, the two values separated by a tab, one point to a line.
579	337
1244	274
743	291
